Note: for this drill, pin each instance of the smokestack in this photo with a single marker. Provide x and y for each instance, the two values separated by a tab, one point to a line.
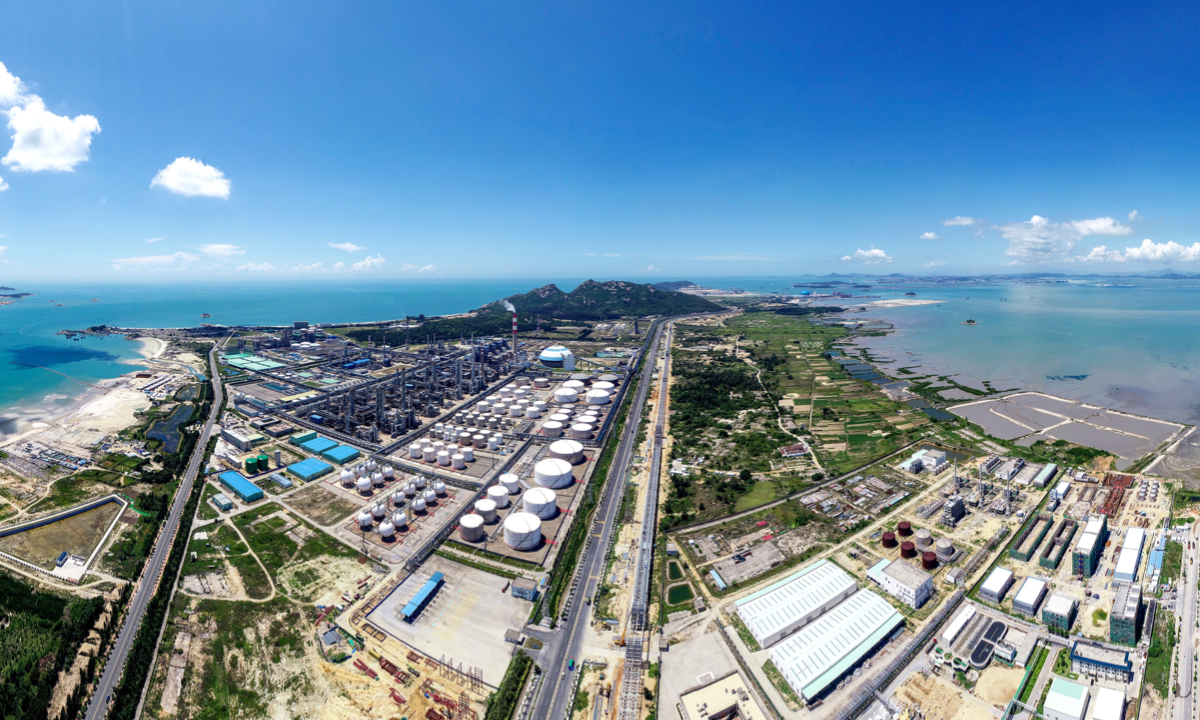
509	306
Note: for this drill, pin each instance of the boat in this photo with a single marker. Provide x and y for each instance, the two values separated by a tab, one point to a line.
95	299
969	322
205	315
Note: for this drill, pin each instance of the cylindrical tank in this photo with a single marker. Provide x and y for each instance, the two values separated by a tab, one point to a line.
439	445
908	549
486	509
609	377
492	423
387	529
430	496
347	477
511	483
603	385
470	527
499	409
945	549
452	448
552	473
443	458
505	392
889	539
522	381
428	454
541	383
471	420
420	482
552	428
561	417
573	385
483	406
568	450
540	405
439	488
904	528
458	462
929	560
364	485
541	502
364	519
478	441
468	454
418	505
532	412
464	439
522	531
565	395
581	431
924	538
515	411
597	397
400	519
493	443
378	511
498	495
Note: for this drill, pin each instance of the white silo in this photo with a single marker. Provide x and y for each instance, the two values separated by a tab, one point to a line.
597	397
430	496
581	431
498	495
452	448
360	470
387	529
541	382
552	473
561	417
470	527
388	472
486	509
499	409
400	519
515	411
541	502
532	412
428	454
493	444
602	385
522	531
378	511
364	485
438	446
505	392
511	483
418	505
483	406
565	395
552	428
420	482
438	427
364	519
377	479
443	458
458	461
439	488
468	454
347	477
568	450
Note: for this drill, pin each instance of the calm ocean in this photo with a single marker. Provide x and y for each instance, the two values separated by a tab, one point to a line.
1132	347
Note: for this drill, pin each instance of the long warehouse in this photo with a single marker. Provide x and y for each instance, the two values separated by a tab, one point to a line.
817	656
785	607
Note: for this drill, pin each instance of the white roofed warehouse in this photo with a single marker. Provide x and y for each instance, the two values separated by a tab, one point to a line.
996	585
815	658
782	608
1030	595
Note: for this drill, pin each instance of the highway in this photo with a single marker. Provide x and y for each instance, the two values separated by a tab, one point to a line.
567	641
98	707
1186	608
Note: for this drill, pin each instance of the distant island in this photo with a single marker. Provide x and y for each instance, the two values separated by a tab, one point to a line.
674	285
16	296
5	288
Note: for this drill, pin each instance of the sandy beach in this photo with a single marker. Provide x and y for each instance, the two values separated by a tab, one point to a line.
903	302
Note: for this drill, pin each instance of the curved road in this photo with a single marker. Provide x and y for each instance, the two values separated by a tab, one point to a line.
99	705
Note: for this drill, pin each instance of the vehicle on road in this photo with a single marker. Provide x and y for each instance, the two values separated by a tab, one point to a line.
571	664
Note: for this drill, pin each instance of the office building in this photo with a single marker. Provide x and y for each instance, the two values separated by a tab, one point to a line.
996	585
1086	558
1126	611
1100	662
1059	612
908	584
1131	556
241	440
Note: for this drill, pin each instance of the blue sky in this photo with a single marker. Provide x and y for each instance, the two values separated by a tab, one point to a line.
617	140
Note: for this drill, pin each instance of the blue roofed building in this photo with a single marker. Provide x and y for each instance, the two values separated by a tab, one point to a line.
422	598
341	454
318	445
309	469
240	486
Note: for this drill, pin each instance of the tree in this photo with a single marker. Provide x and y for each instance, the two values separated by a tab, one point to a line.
745	475
818	477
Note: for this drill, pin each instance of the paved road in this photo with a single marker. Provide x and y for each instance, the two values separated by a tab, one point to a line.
567	642
1186	606
109	679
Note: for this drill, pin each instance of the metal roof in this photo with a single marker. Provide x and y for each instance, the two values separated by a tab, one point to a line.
1110	704
826	648
1067	698
1059	605
423	595
777	606
1131	555
997	581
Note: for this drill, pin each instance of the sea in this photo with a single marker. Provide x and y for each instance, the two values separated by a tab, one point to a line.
1129	344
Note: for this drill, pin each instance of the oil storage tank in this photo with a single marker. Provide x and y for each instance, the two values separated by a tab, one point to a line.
904	528
552	429
565	395
470	527
908	549
541	502
568	450
364	485
552	473
511	483
945	550
929	560
498	495
889	539
597	397
924	538
486	509
522	531
581	431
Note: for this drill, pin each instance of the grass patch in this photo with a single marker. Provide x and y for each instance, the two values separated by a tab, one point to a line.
744	633
762	493
503	703
1172	562
1098	616
1162	649
1032	677
780	684
1062	664
478	566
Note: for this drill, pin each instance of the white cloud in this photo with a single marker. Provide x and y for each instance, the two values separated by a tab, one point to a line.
339	266
3	185
346	246
368	263
426	268
874	256
190	177
257	267
935	263
45	141
612	254
930	236
155	239
1039	240
653	269
154	261
1148	251
960	220
221	251
3	248
1134	216
12	90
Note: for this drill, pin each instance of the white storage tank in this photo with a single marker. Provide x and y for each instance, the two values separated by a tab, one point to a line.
603	385
597	397
540	405
541	383
400	519
439	488
438	446
364	519
515	411
561	417
565	395
360	470
372	465
486	509
364	485
522	531
552	473
568	450
541	502
498	495
430	496
387	529
443	458
420	482
410	490
478	441
464	439
458	462
388	472
499	409
377	479
428	454
470	527
581	431
505	392
522	381
511	483
418	505
573	385
552	428
468	454
347	477
493	444
532	412
378	511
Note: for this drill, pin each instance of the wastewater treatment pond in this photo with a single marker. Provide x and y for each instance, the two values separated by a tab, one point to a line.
674	572
677	594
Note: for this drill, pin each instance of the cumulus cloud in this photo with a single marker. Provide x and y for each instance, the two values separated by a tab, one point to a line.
1039	240
874	256
3	185
190	177
368	263
256	267
155	239
930	236
1148	251
960	220
221	251
12	90
935	263
45	141
346	246
1134	215
155	261
3	248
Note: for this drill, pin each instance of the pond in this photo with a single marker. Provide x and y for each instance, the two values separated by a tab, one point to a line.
674	572
677	594
940	415
167	429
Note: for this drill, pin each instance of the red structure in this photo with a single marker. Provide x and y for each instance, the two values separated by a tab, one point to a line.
889	539
929	561
905	528
908	550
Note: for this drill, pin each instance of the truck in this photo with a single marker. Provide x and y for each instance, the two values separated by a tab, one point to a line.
571	664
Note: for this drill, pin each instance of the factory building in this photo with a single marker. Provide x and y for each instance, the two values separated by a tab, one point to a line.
726	698
240	486
1126	610
906	583
1059	612
422	598
1086	558
1131	556
925	461
1066	701
341	454
240	440
318	445
816	657
223	503
524	588
1030	595
309	469
787	606
996	585
1108	705
1100	662
1045	475
302	437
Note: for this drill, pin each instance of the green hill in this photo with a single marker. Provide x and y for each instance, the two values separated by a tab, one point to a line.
604	301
